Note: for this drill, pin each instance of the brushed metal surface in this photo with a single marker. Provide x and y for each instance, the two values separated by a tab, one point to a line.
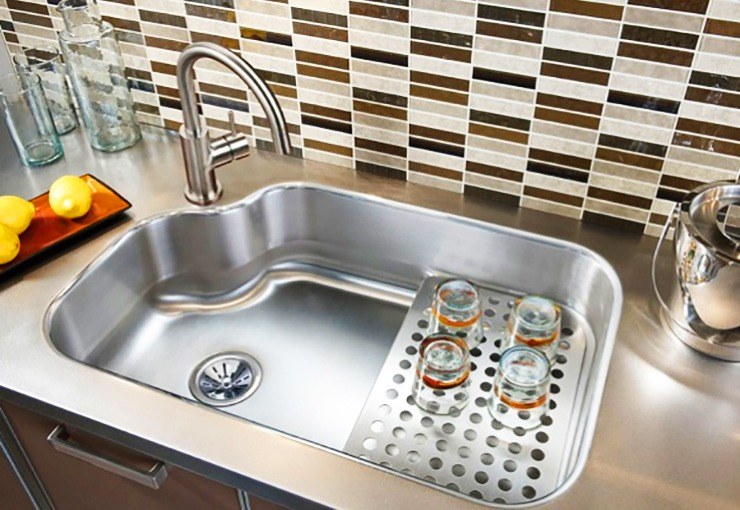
468	452
314	283
685	406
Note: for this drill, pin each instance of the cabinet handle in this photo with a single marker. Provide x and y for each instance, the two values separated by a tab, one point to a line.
152	478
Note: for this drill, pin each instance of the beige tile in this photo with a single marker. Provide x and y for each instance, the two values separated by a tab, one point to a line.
497	146
380	159
422	118
635	131
606	46
377	82
501	106
327	157
335	6
496	159
639	116
507	46
623	171
265	7
723	45
379	26
580	24
437	107
565	133
680	168
711	62
320	45
622	185
379	70
381	135
462	8
165	31
562	144
551	207
576	189
281	24
503	91
724	9
382	43
330	87
567	88
166	6
538	5
616	210
446	21
436	159
365	119
703	158
493	183
435	182
651	70
441	67
508	63
647	86
251	46
663	18
710	113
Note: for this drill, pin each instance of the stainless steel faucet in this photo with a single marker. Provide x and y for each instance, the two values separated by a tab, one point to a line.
203	156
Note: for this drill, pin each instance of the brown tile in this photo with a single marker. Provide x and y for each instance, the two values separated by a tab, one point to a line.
226	42
123	24
695	6
658	219
138	74
713	96
497	119
284	90
560	159
380	110
168	91
146	108
28	7
439	95
708	129
321	122
325	111
322	59
220	90
163	18
592	9
220	124
613	222
376	146
440	51
578	59
382	57
31	19
619	198
205	11
490	195
172	125
11	37
382	171
321	31
436	80
264	36
504	78
261	121
679	182
553	196
379	97
433	146
557	171
165	44
567	118
494	171
321	17
568	103
632	145
652	35
228	4
629	158
517	33
722	27
706	144
168	102
323	73
308	143
160	67
437	134
574	73
655	54
499	133
275	77
713	80
646	102
379	11
424	168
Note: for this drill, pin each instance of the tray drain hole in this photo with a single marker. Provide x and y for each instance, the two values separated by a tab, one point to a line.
225	379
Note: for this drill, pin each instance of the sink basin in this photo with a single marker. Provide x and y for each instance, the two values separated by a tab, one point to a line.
313	284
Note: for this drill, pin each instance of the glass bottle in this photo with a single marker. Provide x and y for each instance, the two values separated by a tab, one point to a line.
95	66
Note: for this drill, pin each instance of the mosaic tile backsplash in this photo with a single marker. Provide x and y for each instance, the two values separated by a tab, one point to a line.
603	110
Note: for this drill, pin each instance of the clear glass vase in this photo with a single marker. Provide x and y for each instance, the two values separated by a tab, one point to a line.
95	66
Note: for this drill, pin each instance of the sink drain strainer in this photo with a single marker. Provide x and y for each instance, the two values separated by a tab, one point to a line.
225	379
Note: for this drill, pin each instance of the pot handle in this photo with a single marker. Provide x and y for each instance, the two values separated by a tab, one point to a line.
669	221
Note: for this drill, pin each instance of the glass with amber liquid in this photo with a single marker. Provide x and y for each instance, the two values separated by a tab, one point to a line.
535	322
456	310
442	380
520	388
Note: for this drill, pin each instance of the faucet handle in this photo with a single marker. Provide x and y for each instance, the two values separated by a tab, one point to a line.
232	122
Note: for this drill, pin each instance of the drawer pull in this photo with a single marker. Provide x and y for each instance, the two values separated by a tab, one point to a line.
153	478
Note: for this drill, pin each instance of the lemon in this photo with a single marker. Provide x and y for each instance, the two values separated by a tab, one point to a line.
10	245
70	197
16	213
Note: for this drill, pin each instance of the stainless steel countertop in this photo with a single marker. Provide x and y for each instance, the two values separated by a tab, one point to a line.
668	433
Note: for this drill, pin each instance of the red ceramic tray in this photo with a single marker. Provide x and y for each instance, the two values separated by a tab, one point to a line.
49	231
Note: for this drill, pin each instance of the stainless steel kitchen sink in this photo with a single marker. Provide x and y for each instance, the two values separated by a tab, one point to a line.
313	284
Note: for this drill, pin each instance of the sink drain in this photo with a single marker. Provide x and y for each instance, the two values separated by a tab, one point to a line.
225	379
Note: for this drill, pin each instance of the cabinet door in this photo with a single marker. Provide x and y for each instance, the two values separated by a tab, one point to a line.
12	495
74	484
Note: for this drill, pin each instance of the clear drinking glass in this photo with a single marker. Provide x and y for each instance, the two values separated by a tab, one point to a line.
442	380
535	322
456	310
96	69
29	120
520	388
46	63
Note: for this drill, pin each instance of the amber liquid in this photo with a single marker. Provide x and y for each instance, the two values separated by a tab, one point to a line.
440	379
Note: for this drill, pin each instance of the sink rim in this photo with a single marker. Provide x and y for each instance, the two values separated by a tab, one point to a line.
601	364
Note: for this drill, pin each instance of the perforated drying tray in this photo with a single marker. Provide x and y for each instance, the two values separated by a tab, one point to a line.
471	453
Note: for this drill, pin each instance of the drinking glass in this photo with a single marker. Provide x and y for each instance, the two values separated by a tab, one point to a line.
520	393
535	322
29	120
456	310
442	380
46	63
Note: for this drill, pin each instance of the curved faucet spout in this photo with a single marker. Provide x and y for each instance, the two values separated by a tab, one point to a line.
201	156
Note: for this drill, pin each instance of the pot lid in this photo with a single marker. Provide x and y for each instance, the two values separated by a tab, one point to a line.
705	208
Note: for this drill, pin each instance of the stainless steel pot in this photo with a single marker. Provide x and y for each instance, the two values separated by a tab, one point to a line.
703	305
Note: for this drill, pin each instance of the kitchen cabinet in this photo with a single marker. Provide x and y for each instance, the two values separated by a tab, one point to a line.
79	485
12	494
